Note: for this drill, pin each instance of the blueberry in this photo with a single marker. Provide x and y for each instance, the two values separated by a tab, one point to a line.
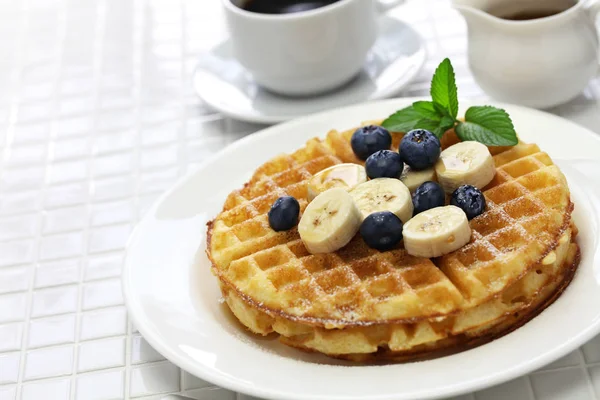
420	149
369	139
469	199
384	164
428	195
381	230
283	214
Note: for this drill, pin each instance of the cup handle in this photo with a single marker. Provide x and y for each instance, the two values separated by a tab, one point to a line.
386	5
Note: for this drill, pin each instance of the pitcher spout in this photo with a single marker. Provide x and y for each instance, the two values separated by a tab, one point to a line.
475	10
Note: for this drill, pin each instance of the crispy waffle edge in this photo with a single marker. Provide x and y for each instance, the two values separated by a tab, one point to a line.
340	323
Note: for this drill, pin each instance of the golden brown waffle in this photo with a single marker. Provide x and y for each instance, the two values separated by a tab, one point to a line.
528	210
358	300
425	336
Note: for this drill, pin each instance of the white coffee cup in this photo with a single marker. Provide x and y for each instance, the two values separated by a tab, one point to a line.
307	52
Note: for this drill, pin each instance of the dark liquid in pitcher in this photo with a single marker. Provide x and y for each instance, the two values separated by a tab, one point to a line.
526	15
283	6
518	10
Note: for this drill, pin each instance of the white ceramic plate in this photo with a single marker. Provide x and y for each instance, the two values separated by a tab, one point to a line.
174	301
393	62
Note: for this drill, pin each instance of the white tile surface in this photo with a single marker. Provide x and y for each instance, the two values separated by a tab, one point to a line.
104	266
595	378
570	360
56	300
103	323
55	389
101	385
62	150
68	171
192	382
15	279
162	377
48	362
562	384
516	389
142	352
13	307
101	354
211	393
102	293
10	336
55	273
22	226
9	367
591	350
109	238
65	219
112	213
61	246
8	392
66	195
52	330
19	202
97	119
16	252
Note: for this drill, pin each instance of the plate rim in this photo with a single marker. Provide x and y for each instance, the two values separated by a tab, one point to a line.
233	384
277	119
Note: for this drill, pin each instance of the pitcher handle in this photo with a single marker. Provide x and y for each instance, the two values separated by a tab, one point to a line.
386	5
593	9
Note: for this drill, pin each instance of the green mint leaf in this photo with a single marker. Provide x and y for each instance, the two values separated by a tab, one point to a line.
443	88
421	115
410	118
427	109
488	125
445	124
441	110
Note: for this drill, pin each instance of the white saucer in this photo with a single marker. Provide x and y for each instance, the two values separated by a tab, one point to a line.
174	300
392	63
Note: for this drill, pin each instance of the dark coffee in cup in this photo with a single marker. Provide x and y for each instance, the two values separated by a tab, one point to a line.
283	6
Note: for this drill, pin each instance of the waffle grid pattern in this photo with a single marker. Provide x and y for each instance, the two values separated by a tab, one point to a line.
527	196
97	118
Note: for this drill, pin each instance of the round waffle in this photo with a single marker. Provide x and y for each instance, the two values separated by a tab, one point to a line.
331	302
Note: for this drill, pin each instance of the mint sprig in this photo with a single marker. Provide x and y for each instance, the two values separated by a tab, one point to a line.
443	88
488	125
485	124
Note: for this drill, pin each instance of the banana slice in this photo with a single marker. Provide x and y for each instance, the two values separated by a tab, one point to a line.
329	222
341	175
383	194
436	232
465	163
413	178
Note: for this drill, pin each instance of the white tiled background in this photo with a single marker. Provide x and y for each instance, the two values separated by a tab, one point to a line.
97	117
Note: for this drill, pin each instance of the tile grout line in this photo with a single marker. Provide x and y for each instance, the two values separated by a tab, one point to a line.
181	153
530	388
38	236
137	33
586	373
97	75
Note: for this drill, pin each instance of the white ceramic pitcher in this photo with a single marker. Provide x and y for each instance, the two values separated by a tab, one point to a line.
539	62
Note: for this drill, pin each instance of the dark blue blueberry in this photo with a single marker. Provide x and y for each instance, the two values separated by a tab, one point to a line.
369	139
420	149
381	230
469	199
428	195
283	214
384	164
